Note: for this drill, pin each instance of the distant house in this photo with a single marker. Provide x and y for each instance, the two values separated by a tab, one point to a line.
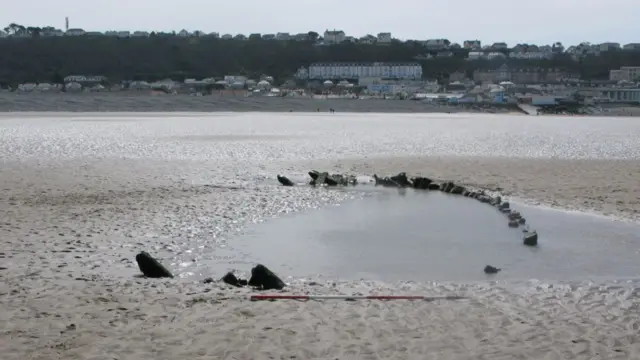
214	35
283	36
495	55
475	55
334	36
472	44
627	73
269	37
120	34
73	87
3	34
500	46
533	55
85	80
302	74
301	37
519	76
384	38
609	46
616	75
583	49
50	32
227	37
492	76
139	85
545	49
75	32
165	85
368	39
28	87
184	33
520	48
632	47
240	37
457	76
140	34
437	44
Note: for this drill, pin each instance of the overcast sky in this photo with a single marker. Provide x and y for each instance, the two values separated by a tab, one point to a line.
539	21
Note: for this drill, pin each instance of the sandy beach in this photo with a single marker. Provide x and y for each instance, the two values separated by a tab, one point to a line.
128	101
80	196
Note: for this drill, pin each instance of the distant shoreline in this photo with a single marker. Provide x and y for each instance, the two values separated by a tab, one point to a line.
145	102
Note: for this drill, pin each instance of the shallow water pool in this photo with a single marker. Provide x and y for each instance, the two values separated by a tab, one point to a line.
430	236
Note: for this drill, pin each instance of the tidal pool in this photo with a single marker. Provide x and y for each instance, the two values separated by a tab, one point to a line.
413	235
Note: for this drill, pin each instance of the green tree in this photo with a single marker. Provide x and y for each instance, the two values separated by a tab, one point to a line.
41	59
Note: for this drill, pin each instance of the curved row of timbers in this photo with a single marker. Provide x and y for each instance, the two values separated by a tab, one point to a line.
264	279
515	219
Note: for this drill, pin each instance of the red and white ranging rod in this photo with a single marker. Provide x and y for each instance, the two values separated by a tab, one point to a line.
352	297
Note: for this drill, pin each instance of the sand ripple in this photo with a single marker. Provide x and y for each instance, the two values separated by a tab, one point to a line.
79	199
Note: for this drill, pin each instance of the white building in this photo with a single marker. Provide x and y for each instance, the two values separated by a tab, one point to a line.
616	75
500	46
631	73
140	34
283	36
609	46
384	38
632	47
84	79
622	94
472	44
535	55
625	73
405	71
75	32
495	55
301	37
368	39
3	34
334	37
436	44
476	55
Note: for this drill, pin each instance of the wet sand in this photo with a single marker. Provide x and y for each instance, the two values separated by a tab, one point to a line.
404	234
238	102
131	101
596	186
79	199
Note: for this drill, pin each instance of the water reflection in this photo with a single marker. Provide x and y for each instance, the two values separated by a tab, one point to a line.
423	236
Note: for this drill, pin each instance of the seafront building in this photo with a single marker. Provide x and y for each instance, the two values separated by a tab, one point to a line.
626	95
335	71
625	73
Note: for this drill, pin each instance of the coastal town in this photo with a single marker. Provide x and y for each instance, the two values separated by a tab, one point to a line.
319	180
501	80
